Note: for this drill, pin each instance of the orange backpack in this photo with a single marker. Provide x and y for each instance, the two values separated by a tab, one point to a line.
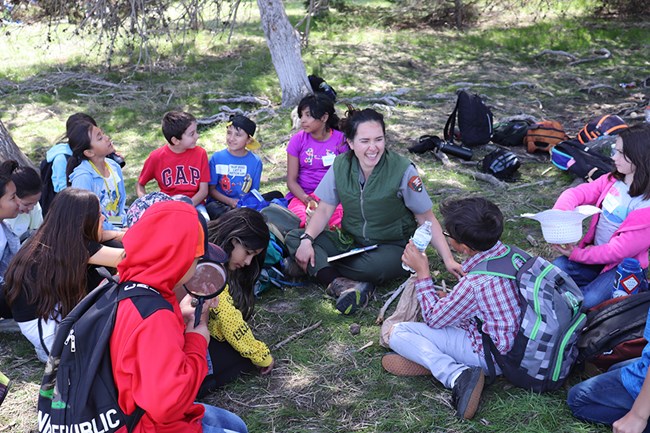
542	136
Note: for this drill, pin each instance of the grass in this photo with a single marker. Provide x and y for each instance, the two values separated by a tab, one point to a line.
325	381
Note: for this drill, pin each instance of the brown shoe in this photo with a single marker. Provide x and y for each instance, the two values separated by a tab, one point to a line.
400	366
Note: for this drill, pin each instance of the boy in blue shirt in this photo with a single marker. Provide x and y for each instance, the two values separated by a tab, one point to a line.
620	397
234	171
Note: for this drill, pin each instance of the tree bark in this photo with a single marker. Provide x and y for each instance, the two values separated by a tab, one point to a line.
9	149
284	45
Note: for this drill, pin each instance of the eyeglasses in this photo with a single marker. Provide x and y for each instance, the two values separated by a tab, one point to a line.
446	233
208	281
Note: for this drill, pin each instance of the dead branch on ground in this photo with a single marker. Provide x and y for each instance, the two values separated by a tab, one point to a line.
396	293
225	113
296	335
247	99
600	54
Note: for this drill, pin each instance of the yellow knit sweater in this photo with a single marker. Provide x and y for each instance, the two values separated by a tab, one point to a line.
227	323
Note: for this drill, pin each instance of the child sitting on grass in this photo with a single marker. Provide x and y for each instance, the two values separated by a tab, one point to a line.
179	167
233	348
448	344
235	170
159	359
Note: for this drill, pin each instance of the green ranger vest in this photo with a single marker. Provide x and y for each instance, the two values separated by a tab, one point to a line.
374	214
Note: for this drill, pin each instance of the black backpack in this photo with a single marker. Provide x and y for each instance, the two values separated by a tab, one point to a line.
318	85
47	188
580	160
501	164
474	120
78	392
614	330
511	133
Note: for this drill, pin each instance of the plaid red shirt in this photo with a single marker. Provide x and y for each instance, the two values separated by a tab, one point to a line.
494	300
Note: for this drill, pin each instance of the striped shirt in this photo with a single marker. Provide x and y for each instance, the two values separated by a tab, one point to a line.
494	300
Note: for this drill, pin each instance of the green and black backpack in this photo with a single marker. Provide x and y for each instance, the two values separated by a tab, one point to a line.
551	319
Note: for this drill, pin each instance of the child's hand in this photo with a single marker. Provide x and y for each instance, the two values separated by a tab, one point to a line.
416	260
630	423
564	249
455	268
266	370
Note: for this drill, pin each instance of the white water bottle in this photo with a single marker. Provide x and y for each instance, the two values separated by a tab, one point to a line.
421	239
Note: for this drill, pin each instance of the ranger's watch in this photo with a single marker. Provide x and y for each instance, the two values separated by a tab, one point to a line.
306	236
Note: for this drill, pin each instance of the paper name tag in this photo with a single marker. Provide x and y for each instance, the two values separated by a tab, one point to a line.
328	160
115	220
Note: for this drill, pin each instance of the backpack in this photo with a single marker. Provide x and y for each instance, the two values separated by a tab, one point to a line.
474	120
551	318
47	187
614	330
580	160
501	164
280	221
542	136
609	124
78	392
318	85
511	133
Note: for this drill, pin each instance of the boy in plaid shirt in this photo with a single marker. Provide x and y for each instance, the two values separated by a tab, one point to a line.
448	343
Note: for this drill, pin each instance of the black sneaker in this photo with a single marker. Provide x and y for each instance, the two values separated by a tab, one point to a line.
425	144
466	393
354	298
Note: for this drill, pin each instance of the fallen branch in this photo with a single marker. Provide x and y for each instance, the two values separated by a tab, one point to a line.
598	86
242	100
601	54
485	178
555	53
296	335
226	112
396	293
365	346
526	185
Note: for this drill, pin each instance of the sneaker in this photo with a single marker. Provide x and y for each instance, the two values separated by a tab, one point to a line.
4	387
466	393
400	366
291	269
355	297
339	285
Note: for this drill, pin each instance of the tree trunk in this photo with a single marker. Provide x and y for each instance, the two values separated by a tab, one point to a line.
284	45
9	150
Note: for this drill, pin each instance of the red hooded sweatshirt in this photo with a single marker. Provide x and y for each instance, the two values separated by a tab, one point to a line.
156	365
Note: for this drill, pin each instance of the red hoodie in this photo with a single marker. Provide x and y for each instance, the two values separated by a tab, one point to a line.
156	365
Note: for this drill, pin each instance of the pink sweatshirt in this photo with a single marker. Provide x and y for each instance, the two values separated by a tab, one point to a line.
632	239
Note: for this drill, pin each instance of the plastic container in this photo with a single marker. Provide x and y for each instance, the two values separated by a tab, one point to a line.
421	239
630	278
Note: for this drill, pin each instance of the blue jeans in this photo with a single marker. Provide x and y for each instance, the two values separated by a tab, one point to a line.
596	286
217	420
602	399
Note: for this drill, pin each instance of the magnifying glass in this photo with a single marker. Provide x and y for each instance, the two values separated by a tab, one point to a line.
208	281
